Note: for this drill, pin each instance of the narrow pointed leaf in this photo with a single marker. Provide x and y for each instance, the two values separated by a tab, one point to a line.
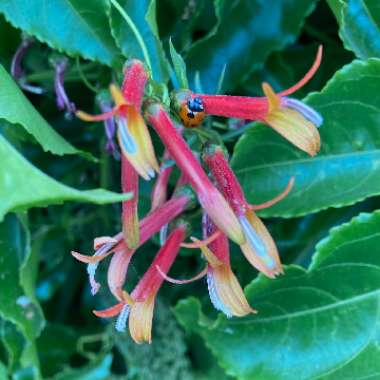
22	185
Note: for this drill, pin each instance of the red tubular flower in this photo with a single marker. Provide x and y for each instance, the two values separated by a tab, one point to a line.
133	134
151	224
209	197
139	305
159	192
259	249
225	291
130	219
291	118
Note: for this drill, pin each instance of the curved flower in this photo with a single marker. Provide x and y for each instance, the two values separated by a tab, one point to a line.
209	197
224	289
159	192
133	134
259	248
139	306
62	99
291	118
149	225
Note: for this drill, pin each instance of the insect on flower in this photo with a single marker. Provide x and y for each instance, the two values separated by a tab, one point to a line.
192	112
291	118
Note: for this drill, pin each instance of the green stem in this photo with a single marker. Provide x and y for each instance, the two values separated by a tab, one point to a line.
135	31
49	74
84	78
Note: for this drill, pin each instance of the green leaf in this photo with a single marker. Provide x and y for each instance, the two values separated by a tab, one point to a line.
22	185
247	32
143	15
179	66
359	22
156	361
15	304
99	369
56	359
16	109
75	27
344	172
320	323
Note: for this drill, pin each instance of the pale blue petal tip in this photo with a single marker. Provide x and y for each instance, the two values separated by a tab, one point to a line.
256	243
121	321
308	112
127	140
214	297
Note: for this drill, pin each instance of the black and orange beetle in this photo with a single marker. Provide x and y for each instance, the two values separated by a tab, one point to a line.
192	112
189	108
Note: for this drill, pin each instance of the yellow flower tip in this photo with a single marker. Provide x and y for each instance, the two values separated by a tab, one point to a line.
292	125
274	101
140	320
84	116
260	249
117	95
227	294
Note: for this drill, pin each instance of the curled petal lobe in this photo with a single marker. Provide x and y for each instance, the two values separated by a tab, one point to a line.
291	122
109	312
226	293
140	320
117	271
224	289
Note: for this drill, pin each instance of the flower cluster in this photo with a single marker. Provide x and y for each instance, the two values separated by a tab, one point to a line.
206	179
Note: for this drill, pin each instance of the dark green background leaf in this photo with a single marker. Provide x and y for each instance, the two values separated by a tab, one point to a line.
16	305
143	14
16	109
76	27
359	26
246	33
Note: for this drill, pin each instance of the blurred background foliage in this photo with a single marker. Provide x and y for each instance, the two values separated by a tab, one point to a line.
47	327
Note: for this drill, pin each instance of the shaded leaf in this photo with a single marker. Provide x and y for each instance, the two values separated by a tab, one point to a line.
179	66
22	185
16	109
315	323
75	27
246	33
359	22
99	369
346	169
143	15
15	305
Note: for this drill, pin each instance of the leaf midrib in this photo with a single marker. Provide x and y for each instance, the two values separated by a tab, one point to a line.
307	160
